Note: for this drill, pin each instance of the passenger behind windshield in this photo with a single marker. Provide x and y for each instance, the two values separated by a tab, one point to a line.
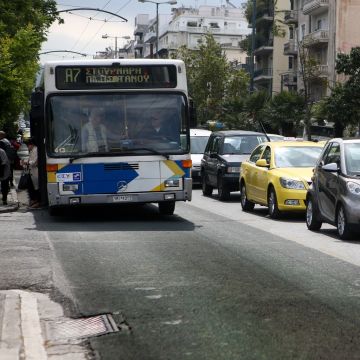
94	133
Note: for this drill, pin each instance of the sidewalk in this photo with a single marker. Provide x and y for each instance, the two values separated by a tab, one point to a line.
13	202
32	327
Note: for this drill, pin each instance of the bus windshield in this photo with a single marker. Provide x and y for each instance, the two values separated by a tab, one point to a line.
105	123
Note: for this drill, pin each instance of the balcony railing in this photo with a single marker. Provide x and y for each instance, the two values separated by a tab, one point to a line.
264	47
315	6
289	78
264	73
316	37
290	48
291	17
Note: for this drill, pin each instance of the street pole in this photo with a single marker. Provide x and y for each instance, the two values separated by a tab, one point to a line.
252	57
116	48
157	30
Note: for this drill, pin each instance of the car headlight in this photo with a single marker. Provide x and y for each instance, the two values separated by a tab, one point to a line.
292	184
354	188
233	169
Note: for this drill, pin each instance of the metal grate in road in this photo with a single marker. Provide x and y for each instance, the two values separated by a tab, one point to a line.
81	328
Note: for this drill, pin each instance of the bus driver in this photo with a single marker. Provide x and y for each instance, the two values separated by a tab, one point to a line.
93	134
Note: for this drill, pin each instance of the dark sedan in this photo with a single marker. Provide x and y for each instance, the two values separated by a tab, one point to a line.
224	153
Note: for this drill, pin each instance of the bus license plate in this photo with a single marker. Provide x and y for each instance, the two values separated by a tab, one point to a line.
119	198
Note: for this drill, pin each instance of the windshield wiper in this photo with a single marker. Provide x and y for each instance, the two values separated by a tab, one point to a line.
126	152
150	150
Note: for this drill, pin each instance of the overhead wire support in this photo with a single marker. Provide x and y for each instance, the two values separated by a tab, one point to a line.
92	9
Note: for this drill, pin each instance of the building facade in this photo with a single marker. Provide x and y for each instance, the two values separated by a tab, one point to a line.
187	25
270	37
324	28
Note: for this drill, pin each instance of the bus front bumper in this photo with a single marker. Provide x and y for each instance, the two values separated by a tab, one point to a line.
55	199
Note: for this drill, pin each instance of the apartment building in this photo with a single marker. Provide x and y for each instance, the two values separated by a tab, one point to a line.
326	28
187	25
270	37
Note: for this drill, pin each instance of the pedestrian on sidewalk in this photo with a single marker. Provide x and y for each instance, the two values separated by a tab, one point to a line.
4	175
10	150
32	165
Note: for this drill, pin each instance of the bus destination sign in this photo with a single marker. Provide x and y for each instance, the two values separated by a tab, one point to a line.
115	77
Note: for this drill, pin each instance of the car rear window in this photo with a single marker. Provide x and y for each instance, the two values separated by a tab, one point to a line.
241	145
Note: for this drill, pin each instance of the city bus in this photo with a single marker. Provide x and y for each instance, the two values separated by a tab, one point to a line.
92	120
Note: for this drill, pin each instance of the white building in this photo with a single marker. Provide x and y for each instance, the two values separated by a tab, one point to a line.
186	26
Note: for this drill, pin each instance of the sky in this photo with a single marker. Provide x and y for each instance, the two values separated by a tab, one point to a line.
83	30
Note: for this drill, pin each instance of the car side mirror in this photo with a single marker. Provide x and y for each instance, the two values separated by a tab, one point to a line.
332	167
261	163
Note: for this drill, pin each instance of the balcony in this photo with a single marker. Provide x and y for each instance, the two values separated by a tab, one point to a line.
150	37
291	17
265	16
314	7
289	79
264	74
322	70
318	37
290	48
264	47
139	44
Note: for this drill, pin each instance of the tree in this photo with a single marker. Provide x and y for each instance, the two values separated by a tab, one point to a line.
23	26
349	65
208	72
284	112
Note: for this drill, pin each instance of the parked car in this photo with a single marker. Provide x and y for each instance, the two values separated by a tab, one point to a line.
198	141
277	175
224	153
334	196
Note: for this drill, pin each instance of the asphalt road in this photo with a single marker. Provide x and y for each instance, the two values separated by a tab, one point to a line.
210	282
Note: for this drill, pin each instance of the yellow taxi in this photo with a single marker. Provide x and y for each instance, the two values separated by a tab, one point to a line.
277	175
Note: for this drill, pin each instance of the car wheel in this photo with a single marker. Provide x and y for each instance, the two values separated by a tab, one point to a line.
274	211
312	221
167	207
343	228
206	189
223	190
245	203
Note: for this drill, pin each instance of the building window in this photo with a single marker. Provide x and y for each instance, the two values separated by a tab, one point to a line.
319	25
291	62
191	23
291	33
302	31
214	25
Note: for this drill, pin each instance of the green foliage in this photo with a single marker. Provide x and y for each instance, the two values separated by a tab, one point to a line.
284	112
343	105
23	26
207	71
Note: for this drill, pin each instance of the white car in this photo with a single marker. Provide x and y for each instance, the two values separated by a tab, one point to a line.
198	141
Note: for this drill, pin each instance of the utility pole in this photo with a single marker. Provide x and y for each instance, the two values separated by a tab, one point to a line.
252	57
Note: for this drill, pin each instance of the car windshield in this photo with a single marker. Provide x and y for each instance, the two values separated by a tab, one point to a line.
352	158
296	156
198	144
242	145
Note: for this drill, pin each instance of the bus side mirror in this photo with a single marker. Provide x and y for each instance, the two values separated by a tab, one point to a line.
192	113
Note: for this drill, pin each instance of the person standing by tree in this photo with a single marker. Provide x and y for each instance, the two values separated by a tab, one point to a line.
4	175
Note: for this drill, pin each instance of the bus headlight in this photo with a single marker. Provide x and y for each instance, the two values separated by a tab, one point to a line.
172	183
